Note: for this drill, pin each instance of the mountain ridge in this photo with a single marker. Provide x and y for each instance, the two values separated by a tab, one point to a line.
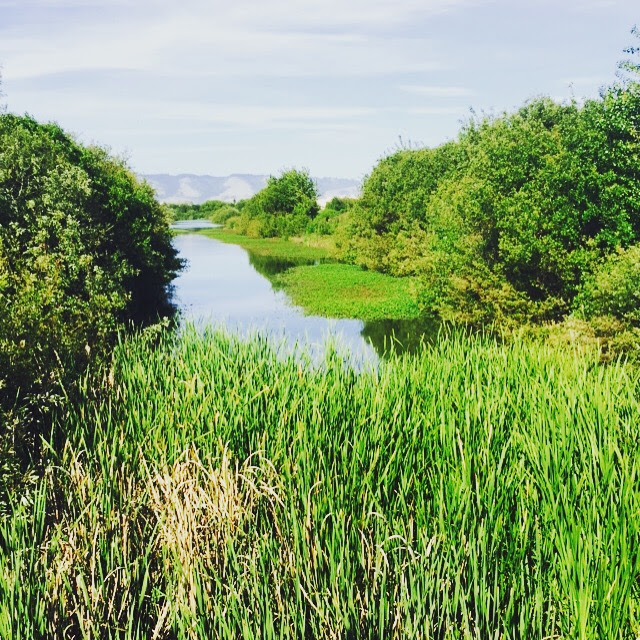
198	188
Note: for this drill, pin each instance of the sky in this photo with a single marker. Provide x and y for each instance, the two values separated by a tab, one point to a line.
257	86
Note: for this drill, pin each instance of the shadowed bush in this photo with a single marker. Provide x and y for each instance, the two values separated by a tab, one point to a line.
84	248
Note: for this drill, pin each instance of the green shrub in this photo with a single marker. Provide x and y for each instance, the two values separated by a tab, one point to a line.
329	219
84	248
614	288
339	205
222	214
187	211
531	201
284	207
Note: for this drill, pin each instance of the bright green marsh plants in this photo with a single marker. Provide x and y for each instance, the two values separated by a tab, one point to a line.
213	489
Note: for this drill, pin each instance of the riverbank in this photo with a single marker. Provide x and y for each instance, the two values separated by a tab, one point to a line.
315	281
277	248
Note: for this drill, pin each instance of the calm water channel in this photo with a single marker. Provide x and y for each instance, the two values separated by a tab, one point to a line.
224	285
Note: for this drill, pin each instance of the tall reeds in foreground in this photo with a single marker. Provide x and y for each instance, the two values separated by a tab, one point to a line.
210	489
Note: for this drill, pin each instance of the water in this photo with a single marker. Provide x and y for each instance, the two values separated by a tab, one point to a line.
192	225
223	285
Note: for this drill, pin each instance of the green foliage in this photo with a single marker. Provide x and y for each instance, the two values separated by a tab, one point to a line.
224	213
512	216
216	211
331	217
475	490
83	248
614	288
283	208
507	222
339	205
392	206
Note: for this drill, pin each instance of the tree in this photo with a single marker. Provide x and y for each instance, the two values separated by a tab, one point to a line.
630	68
84	249
285	206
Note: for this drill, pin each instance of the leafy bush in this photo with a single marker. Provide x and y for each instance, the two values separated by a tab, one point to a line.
614	288
283	208
223	213
84	247
524	204
339	205
334	213
214	210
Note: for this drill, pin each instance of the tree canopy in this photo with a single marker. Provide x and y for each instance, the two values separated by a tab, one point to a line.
84	248
283	208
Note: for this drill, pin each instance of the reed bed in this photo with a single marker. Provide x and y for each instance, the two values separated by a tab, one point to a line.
203	487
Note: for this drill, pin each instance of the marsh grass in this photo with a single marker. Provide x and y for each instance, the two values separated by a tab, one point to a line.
348	291
208	489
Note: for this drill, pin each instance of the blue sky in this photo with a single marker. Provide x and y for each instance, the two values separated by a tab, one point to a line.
255	86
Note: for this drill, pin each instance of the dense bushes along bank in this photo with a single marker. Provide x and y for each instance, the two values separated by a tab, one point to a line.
519	219
528	217
474	490
512	220
84	248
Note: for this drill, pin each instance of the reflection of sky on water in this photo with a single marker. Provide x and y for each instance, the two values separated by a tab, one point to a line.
190	225
220	287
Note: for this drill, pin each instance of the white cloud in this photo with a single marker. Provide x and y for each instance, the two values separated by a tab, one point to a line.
437	111
246	37
331	13
202	115
259	115
312	13
61	4
173	48
588	81
436	91
171	78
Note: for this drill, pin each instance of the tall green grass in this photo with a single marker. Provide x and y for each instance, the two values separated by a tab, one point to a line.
210	489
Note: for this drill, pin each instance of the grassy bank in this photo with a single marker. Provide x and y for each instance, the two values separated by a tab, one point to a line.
332	290
472	491
347	291
279	248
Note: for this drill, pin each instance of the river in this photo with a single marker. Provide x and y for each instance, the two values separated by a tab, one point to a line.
225	286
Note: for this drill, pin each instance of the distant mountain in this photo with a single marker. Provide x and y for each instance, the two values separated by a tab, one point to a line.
187	187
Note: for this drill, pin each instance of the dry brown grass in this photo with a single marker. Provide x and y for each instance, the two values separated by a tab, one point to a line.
194	510
199	509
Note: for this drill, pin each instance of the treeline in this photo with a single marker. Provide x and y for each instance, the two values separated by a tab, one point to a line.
530	215
214	210
526	217
287	206
84	249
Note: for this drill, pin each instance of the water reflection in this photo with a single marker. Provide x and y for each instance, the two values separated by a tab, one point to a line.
400	336
220	287
223	284
192	225
268	266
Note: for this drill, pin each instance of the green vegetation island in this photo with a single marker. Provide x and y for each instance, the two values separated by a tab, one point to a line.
167	481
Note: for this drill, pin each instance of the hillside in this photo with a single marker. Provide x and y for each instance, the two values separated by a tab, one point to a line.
197	189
